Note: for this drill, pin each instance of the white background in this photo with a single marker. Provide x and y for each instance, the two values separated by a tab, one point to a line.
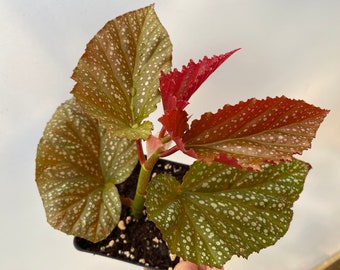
289	48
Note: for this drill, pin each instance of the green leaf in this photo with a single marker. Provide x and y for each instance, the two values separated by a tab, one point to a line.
77	167
220	211
118	75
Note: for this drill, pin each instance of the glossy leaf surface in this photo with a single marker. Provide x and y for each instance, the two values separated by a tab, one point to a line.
219	211
118	75
77	167
253	132
178	86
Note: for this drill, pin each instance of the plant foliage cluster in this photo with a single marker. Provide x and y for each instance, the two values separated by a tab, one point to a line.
235	199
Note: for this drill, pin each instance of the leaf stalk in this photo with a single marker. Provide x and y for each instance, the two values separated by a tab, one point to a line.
143	181
140	152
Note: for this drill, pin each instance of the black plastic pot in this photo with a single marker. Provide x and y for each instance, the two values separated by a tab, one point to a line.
137	241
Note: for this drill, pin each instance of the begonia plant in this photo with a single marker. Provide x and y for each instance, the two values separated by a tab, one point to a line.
235	199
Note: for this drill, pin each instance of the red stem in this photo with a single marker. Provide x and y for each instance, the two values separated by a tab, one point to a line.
162	133
140	151
169	152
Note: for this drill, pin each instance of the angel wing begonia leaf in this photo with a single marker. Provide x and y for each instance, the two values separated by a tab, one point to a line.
77	166
253	132
118	75
220	211
178	86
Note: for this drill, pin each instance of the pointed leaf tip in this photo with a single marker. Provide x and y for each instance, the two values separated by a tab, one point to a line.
118	75
219	211
255	131
178	86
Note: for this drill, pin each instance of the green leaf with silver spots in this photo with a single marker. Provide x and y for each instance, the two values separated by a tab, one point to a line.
118	75
77	167
219	211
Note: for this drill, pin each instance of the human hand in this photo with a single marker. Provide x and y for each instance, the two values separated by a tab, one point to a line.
184	265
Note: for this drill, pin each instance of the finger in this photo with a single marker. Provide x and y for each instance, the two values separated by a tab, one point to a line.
209	268
183	265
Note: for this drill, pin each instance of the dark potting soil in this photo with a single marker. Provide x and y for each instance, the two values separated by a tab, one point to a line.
137	241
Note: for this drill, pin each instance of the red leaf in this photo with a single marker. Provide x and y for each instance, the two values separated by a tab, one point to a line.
254	132
175	122
178	86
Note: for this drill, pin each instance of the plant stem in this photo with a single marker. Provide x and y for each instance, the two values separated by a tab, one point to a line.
170	151
143	181
140	152
162	132
165	139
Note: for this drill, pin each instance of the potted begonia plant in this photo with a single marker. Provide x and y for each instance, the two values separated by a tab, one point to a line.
98	184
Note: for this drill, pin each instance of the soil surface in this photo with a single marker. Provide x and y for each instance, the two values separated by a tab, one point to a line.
137	241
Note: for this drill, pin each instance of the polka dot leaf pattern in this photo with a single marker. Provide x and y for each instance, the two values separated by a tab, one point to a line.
77	166
220	211
118	75
250	133
236	199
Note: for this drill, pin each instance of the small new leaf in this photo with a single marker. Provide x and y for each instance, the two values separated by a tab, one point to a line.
253	132
77	166
175	122
118	75
178	86
220	211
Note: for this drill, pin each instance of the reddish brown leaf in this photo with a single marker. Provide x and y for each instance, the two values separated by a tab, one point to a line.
175	122
253	132
178	86
118	75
